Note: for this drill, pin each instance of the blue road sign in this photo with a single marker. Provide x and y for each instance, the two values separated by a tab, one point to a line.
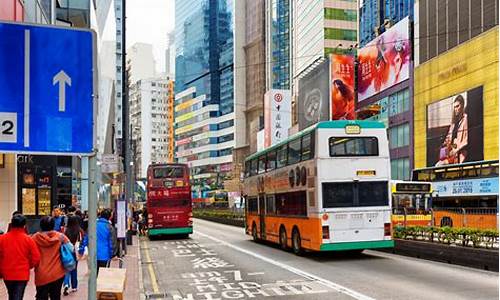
46	89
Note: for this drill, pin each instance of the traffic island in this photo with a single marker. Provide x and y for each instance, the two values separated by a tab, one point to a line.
479	258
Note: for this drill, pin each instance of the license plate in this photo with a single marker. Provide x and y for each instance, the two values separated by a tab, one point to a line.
168	184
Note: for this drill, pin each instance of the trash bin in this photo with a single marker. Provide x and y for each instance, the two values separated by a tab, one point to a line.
129	237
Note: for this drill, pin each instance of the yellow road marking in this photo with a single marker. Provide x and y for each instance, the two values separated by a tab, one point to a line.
151	270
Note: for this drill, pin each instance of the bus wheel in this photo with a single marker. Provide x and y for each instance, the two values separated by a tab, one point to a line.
283	239
296	242
254	233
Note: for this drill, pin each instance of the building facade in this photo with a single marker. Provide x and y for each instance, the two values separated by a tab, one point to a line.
140	61
12	10
373	14
149	122
278	23
204	84
320	28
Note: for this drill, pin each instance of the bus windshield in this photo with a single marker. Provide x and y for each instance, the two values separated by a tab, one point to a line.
168	172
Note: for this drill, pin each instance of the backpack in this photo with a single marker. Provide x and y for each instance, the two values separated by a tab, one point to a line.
67	258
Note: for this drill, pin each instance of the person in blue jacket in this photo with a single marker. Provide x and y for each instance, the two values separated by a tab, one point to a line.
106	239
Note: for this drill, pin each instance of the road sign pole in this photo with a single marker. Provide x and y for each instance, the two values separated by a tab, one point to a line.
92	228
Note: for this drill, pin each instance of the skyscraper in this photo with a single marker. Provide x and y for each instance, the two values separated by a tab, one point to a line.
278	43
204	102
373	14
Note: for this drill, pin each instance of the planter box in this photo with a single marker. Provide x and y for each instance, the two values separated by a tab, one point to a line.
233	222
485	259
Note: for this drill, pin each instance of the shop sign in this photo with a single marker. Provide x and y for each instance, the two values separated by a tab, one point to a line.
470	187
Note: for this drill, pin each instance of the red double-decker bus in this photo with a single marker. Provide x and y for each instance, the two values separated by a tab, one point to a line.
169	204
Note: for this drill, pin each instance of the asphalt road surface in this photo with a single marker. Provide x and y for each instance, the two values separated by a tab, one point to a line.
221	262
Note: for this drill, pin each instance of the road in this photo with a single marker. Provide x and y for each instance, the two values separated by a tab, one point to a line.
221	262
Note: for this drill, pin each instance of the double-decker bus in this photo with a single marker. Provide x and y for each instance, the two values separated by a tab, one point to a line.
326	188
168	203
411	203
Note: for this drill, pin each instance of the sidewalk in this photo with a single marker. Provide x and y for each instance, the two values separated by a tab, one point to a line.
130	263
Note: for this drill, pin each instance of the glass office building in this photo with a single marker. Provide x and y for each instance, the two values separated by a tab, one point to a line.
280	44
204	101
373	13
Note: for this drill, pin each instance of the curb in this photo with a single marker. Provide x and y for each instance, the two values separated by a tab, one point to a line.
142	296
478	258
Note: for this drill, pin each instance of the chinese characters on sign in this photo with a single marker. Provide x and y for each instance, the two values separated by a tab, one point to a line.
277	116
342	87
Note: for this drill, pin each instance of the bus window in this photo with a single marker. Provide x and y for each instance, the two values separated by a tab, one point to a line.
353	146
339	194
247	168
307	147
271	161
373	193
281	156
262	164
253	205
253	167
168	172
294	152
270	204
291	204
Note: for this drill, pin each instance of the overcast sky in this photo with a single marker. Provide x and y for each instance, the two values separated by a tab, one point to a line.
148	21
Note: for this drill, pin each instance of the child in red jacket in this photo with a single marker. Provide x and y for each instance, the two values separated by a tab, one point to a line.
18	254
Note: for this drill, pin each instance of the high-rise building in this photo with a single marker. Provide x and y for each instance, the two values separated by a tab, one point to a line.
170	54
374	14
12	10
141	61
321	27
149	122
204	100
278	43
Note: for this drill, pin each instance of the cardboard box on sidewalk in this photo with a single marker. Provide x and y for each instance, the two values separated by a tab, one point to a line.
111	283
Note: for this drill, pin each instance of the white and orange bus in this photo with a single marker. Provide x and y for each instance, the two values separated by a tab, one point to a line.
326	188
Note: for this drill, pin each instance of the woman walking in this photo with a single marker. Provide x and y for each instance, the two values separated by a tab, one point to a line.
74	233
49	274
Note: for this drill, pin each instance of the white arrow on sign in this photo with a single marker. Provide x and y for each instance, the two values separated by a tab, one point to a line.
62	78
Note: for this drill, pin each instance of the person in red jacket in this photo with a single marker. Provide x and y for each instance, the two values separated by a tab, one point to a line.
18	254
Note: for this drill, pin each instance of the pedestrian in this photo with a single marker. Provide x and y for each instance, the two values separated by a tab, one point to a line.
16	212
49	275
106	239
74	233
57	214
18	254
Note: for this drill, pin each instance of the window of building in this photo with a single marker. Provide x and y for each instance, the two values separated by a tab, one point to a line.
340	14
400	169
399	136
399	102
340	34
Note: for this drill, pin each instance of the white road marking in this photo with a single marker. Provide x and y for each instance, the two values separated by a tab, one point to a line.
334	286
255	273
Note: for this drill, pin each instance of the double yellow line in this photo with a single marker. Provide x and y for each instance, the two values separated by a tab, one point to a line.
152	275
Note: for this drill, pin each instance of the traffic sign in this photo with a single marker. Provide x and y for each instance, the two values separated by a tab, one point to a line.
47	85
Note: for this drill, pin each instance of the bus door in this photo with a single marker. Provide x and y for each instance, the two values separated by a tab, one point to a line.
262	215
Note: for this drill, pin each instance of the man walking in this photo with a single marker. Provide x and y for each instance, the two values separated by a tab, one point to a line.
18	254
106	239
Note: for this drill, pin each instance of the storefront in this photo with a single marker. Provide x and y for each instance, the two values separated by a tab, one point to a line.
44	182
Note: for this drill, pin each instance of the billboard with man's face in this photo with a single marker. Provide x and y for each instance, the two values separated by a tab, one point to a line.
455	129
385	61
314	95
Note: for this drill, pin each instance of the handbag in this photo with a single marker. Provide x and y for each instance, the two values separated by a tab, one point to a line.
67	258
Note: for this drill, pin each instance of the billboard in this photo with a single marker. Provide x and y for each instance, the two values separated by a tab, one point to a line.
455	129
314	96
385	61
277	116
342	87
